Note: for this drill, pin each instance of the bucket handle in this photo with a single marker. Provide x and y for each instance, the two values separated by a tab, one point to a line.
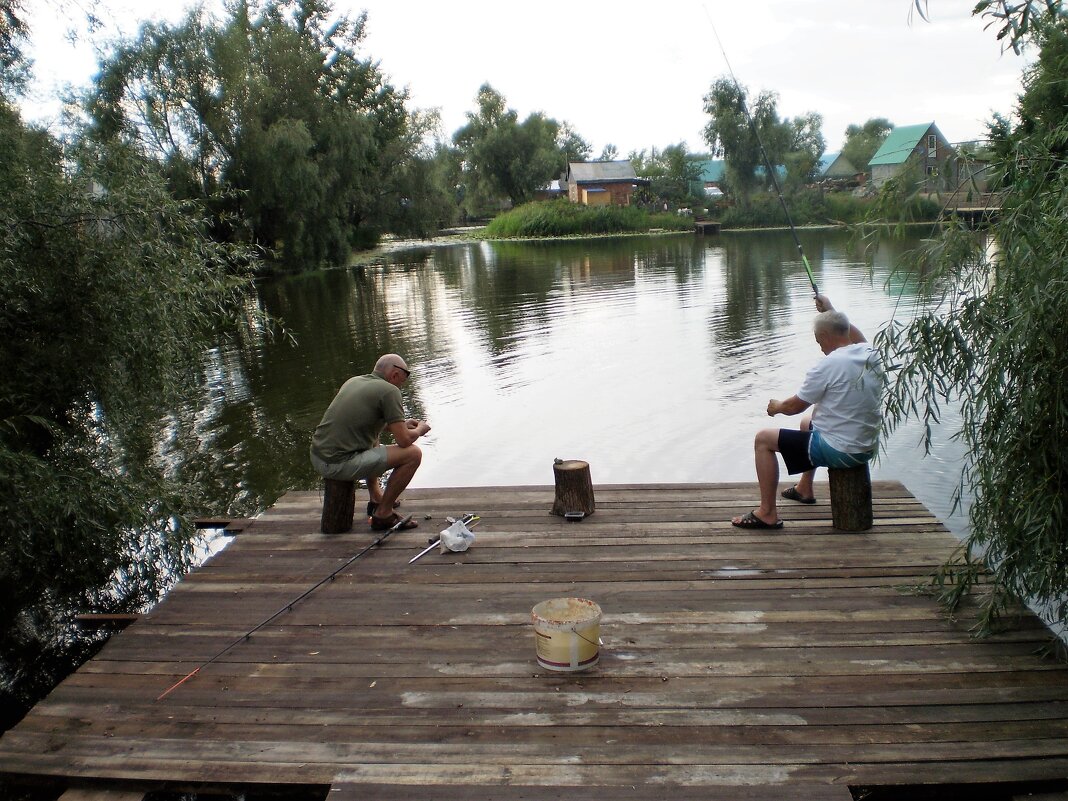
599	643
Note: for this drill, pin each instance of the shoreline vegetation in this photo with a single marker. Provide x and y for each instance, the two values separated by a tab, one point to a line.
560	220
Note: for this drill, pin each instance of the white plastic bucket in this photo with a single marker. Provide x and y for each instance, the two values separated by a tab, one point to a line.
567	633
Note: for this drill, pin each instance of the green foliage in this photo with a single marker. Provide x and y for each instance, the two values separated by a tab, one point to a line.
13	32
992	340
563	218
275	105
748	141
807	207
108	288
672	174
504	159
862	141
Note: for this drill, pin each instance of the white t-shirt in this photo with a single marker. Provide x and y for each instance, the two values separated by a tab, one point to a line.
846	387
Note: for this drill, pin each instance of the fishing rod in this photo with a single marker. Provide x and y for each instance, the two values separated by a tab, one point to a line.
764	153
288	607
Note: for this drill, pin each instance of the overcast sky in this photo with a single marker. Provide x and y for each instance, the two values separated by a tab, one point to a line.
634	74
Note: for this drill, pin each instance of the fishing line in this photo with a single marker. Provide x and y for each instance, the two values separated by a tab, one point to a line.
288	607
764	153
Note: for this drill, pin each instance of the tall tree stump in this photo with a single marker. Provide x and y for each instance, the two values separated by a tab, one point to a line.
574	488
339	506
850	498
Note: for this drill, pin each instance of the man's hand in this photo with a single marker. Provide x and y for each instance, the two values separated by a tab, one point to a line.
791	406
417	427
823	303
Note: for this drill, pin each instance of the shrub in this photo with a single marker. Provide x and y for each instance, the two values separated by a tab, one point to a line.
563	218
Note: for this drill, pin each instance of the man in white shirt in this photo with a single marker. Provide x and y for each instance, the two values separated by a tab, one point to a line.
846	389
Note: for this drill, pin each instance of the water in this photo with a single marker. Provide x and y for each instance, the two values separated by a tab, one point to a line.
652	359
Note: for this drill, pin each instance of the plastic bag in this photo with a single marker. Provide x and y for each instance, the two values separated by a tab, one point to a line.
457	537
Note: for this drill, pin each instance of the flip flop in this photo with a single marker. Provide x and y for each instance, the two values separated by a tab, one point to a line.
791	494
386	523
750	520
371	506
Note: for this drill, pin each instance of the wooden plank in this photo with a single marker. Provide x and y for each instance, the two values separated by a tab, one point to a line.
734	664
78	794
513	792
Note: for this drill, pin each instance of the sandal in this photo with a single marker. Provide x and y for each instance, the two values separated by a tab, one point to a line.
386	523
750	520
791	494
371	506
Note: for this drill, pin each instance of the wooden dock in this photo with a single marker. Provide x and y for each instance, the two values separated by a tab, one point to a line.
739	665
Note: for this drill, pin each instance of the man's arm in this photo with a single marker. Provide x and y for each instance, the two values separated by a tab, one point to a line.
791	406
406	432
823	303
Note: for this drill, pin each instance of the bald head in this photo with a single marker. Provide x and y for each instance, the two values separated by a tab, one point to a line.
388	362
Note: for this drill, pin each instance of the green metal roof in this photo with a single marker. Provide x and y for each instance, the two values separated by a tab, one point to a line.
899	144
712	169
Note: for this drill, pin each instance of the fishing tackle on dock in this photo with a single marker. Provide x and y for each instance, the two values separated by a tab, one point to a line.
287	608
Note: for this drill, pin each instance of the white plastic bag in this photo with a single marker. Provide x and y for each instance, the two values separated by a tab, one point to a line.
457	537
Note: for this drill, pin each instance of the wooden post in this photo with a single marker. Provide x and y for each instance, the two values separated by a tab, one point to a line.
850	498
339	506
574	488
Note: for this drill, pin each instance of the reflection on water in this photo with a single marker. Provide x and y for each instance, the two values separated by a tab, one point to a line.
651	358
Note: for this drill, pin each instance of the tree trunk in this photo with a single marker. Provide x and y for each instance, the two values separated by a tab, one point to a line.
339	506
574	488
850	498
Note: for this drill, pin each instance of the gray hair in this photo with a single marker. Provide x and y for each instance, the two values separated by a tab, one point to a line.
387	362
832	322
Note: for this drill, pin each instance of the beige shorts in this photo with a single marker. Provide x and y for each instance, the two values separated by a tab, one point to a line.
364	464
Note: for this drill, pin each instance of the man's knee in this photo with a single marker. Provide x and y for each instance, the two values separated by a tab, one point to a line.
767	439
410	455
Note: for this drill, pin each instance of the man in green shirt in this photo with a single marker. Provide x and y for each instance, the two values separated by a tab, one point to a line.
345	445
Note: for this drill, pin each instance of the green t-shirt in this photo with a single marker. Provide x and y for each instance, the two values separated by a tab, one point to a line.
354	420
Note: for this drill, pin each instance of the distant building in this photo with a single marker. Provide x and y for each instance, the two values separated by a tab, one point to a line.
602	183
710	181
835	166
921	151
554	189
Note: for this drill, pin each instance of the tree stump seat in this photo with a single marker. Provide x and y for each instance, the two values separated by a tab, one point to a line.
574	488
339	506
851	507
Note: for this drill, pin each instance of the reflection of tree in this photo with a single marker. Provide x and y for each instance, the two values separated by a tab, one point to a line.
244	441
755	285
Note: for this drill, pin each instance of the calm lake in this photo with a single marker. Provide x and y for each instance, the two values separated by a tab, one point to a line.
652	358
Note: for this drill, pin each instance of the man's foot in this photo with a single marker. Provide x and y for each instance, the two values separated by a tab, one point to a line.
386	523
750	520
372	505
791	494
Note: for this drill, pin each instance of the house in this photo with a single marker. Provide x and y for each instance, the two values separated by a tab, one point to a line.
836	167
552	190
920	151
602	183
710	181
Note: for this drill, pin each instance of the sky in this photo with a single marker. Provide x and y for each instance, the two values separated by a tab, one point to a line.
633	74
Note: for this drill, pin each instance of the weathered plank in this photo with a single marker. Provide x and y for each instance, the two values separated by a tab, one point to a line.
735	664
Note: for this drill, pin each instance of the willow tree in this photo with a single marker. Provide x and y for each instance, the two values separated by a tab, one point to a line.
991	338
277	104
503	158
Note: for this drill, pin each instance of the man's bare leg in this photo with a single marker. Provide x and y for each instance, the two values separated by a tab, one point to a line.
404	462
765	448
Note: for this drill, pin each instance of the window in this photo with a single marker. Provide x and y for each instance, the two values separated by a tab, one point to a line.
932	146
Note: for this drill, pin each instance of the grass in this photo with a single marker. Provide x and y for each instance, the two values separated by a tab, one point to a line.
562	218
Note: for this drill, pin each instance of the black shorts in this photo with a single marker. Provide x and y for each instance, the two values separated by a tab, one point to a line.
793	445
